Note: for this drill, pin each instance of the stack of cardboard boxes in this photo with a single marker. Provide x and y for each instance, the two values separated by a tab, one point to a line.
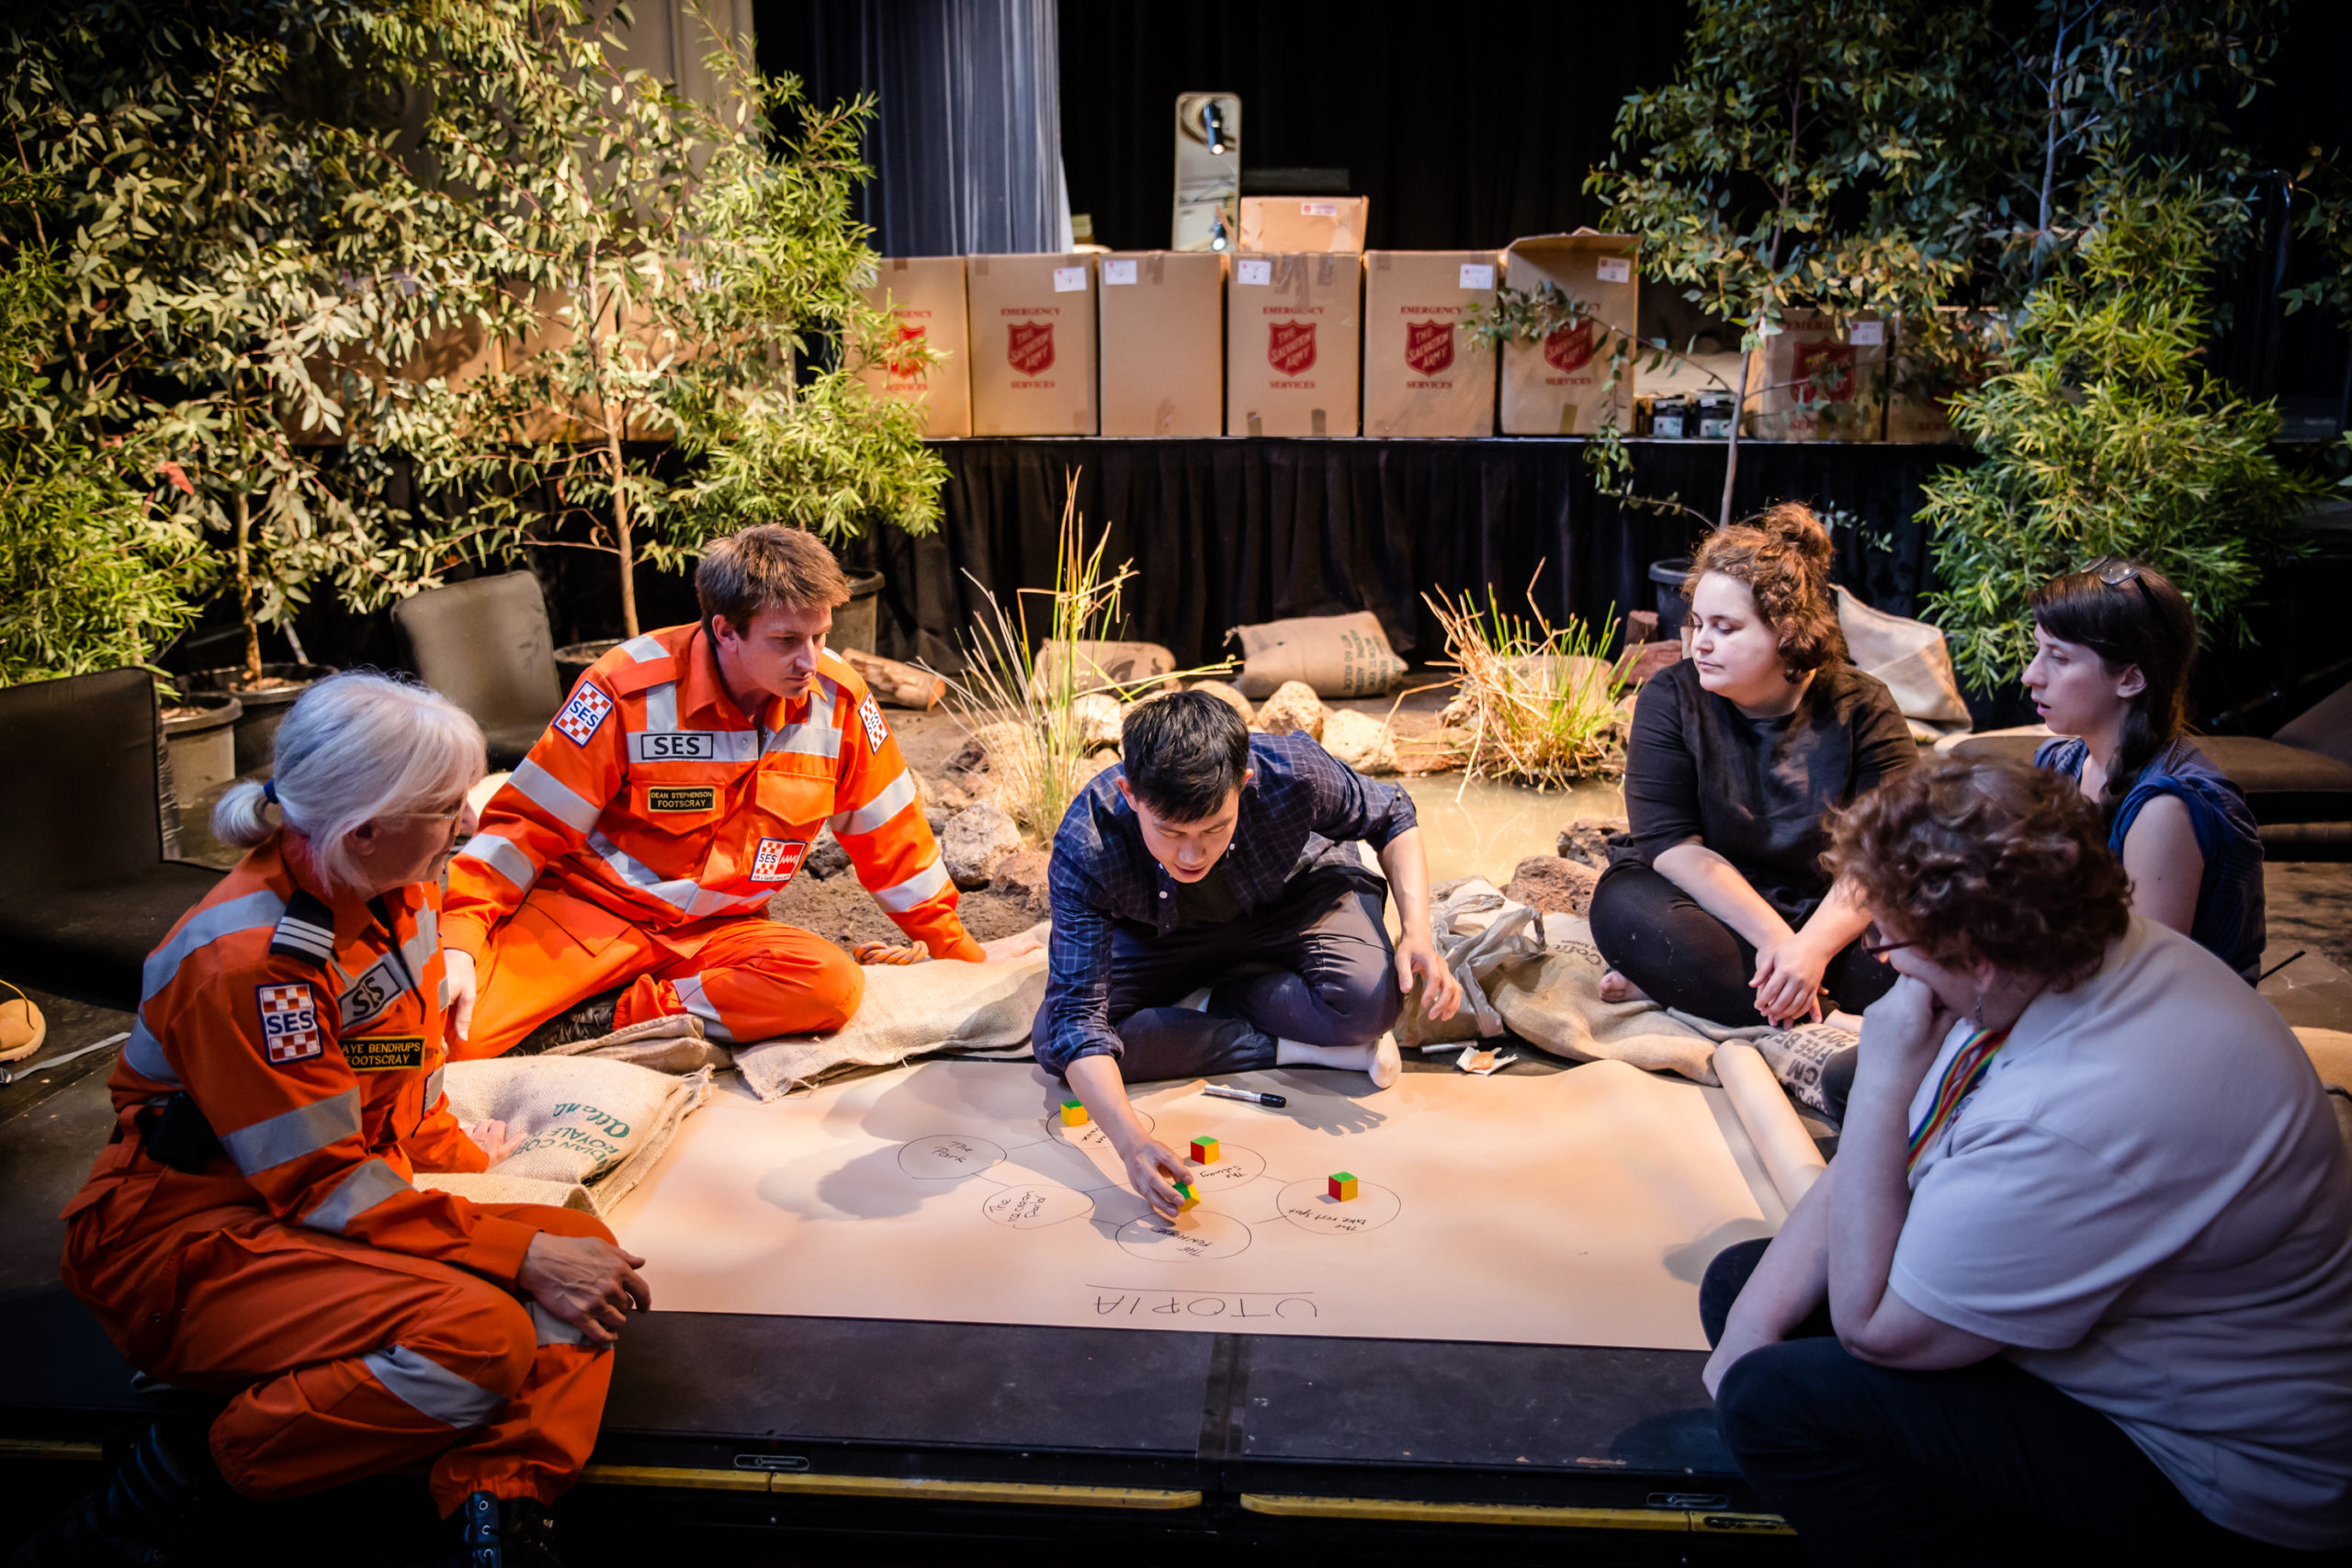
1308	337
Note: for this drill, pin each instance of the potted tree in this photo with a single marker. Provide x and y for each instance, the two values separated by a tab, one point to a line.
679	336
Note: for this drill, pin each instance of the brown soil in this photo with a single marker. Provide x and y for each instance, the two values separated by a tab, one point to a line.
268	683
842	912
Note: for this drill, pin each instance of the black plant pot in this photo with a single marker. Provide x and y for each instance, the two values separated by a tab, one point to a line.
1667	577
263	706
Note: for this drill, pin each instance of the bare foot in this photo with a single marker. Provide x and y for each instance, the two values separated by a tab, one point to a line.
1615	987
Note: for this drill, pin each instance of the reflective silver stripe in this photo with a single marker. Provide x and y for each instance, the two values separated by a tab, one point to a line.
922	885
144	1055
672	745
552	1329
698	1003
254	911
432	1087
552	795
679	893
645	649
290	1134
418	949
445	989
316	941
880	809
432	1388
502	857
662	705
368	1185
810	740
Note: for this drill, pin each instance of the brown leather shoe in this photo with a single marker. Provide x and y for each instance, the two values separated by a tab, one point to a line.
22	1028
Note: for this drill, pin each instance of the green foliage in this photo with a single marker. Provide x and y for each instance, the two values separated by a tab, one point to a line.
244	248
92	576
1540	701
2105	437
672	271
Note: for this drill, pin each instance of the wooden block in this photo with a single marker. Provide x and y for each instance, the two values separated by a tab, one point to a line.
1073	1113
1204	1150
1343	1186
1653	657
1185	1196
1641	626
900	685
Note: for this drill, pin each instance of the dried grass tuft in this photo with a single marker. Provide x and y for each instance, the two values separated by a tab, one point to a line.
1538	702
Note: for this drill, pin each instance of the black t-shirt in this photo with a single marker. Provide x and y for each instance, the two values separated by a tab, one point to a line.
1757	791
1208	902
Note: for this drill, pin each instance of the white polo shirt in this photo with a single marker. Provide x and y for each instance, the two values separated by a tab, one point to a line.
2147	1198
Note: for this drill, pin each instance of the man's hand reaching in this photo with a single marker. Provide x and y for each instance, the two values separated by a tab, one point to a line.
585	1281
1416	956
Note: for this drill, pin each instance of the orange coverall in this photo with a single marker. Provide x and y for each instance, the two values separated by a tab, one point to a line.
361	1324
639	842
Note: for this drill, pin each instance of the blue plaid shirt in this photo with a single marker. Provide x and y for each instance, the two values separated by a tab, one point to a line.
1299	802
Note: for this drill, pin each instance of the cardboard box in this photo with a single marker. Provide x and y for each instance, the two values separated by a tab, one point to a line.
1295	223
1162	321
1820	382
1292	345
926	294
1561	386
1919	392
1422	375
1032	343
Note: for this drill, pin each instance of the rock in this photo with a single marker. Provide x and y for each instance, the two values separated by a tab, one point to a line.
941	794
1554	886
1653	657
1021	877
996	755
827	859
1291	709
1096	718
977	841
936	818
1586	840
1359	741
1229	695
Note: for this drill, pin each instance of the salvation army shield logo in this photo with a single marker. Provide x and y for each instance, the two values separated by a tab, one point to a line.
1571	348
1825	373
1290	347
1030	346
902	362
1429	346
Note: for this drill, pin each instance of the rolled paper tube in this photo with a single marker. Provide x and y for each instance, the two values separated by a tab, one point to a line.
1788	1154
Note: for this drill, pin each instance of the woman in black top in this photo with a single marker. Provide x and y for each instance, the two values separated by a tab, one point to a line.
1715	903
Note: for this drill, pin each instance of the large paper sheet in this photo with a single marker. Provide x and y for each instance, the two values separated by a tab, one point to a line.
1577	1208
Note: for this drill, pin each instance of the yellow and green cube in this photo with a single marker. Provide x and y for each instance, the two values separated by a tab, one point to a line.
1185	1196
1073	1113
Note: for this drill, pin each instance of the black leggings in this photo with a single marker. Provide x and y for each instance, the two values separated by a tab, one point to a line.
1657	936
1980	1464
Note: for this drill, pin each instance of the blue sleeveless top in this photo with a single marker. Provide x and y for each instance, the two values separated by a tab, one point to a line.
2229	921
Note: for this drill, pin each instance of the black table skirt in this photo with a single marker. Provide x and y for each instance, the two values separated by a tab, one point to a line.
1224	533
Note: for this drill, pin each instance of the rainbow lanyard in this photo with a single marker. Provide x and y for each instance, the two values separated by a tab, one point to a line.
1958	1081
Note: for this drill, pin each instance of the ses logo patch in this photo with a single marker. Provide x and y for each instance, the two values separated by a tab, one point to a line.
580	716
869	714
289	1022
777	859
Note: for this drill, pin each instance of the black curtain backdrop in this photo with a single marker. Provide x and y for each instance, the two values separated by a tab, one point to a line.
1224	533
1466	128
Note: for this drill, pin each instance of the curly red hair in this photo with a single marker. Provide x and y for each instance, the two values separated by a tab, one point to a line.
1783	557
1990	861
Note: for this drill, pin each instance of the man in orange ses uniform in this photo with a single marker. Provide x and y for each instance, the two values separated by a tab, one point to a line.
680	788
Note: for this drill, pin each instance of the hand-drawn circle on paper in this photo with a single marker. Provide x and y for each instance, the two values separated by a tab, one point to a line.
948	1156
1186	1238
1310	1206
1091	1135
1033	1208
1231	1167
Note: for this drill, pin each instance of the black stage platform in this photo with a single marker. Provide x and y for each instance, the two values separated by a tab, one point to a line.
855	1428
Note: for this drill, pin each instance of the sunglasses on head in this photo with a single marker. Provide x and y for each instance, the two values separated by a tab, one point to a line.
2115	573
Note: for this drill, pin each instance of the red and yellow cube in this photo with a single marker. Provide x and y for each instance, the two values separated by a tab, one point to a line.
1204	1150
1344	1187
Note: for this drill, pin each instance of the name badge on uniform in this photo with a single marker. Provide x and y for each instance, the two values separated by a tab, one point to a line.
290	1023
677	797
777	859
383	1053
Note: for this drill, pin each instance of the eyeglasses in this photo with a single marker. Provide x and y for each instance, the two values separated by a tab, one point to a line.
1874	943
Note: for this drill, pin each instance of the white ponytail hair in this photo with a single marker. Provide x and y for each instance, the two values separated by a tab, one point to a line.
354	748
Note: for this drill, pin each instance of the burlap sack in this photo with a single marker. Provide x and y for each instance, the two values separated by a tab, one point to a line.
1339	656
491	1187
907	1011
600	1124
1911	658
1128	667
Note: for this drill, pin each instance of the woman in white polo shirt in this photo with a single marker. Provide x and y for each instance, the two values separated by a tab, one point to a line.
2079	1281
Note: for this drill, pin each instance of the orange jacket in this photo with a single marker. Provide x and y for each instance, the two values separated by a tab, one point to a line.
310	1033
653	797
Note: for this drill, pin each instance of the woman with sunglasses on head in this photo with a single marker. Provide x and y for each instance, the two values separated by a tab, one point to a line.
253	1231
2112	648
1715	903
2077	1287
